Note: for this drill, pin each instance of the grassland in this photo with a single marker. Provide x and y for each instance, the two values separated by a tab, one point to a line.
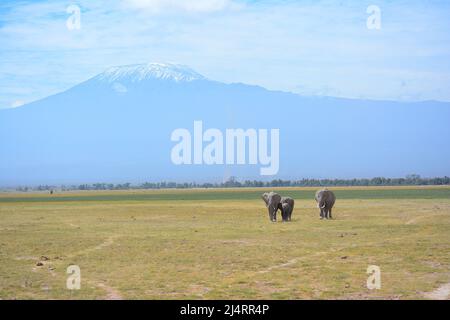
207	244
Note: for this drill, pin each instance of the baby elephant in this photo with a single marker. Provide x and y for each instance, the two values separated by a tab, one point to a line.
286	206
325	201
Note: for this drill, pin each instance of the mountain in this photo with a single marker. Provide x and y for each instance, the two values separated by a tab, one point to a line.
117	127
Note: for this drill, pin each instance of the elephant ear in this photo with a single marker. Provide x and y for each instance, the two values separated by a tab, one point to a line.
265	197
317	195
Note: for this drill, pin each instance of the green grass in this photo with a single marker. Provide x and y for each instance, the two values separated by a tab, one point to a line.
239	194
208	244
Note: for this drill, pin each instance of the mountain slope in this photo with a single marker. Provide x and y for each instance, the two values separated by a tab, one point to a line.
117	127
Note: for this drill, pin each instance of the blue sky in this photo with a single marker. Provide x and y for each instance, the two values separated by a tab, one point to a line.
308	47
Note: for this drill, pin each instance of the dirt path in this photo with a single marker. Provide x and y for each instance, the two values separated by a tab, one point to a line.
106	243
305	257
111	293
286	264
414	220
441	293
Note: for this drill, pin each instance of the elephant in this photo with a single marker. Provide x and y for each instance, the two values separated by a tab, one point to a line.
286	206
325	201
272	200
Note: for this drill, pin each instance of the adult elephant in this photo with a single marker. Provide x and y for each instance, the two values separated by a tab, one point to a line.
325	201
272	200
286	206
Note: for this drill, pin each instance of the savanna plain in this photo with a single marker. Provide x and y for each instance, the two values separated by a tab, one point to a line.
220	244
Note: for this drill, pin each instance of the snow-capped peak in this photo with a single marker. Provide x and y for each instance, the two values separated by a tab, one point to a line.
139	72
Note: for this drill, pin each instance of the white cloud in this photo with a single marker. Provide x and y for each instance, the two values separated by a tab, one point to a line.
310	47
17	103
192	6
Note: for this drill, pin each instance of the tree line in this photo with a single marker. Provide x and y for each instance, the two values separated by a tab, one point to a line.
410	180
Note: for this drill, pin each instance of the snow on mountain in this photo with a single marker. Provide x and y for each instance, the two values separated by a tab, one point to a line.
140	72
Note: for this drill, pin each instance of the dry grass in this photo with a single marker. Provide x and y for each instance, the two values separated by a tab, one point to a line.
224	249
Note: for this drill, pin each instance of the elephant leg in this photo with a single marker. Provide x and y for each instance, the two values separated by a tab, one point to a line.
329	214
321	213
274	214
270	214
283	215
